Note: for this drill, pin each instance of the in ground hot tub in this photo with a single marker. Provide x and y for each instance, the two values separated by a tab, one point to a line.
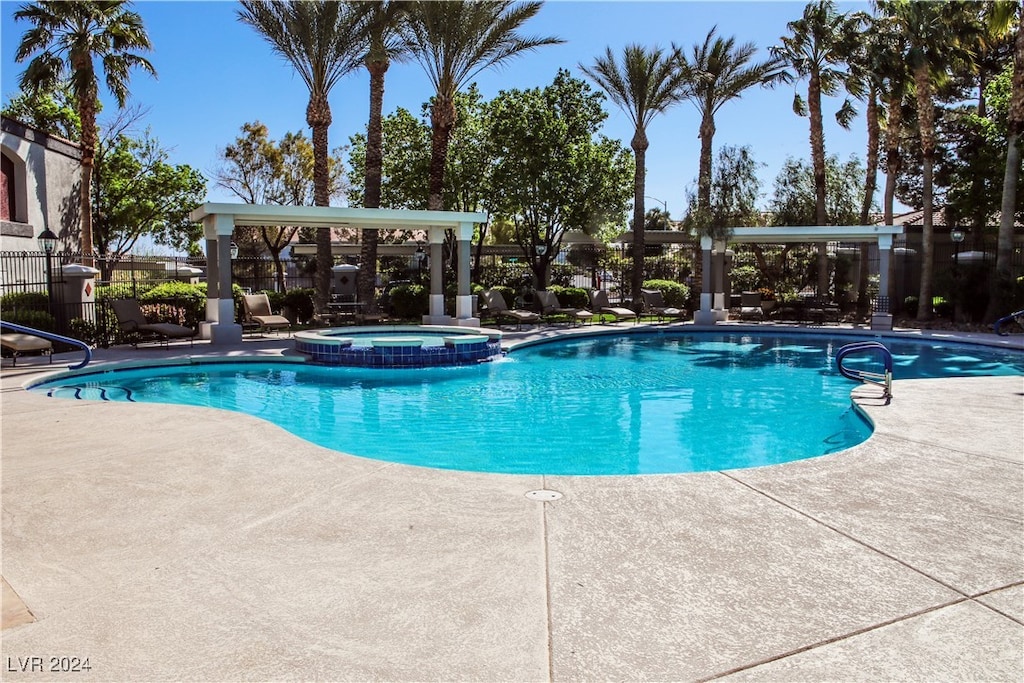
399	346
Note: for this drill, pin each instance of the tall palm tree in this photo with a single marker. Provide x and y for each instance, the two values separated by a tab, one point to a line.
67	38
320	41
937	35
719	71
453	41
383	46
646	83
817	48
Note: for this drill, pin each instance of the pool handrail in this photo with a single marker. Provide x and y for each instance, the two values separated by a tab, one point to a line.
880	379
50	336
1016	316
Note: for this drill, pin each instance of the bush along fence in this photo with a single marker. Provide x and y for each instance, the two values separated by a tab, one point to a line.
48	294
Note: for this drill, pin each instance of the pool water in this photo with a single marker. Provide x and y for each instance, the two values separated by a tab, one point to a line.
629	404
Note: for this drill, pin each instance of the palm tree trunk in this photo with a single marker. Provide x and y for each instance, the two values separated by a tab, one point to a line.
892	167
926	124
640	145
367	283
90	135
870	183
707	134
818	164
318	116
442	120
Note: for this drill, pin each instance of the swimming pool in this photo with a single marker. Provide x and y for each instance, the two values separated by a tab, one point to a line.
626	404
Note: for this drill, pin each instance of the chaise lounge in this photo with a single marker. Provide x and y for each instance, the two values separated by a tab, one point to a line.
495	306
257	311
132	321
551	309
654	304
599	303
18	343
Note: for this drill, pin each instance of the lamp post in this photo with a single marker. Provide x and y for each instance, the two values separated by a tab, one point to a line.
47	243
418	256
664	204
957	235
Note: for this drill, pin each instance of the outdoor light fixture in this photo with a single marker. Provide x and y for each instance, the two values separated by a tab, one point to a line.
47	241
663	203
957	235
542	249
234	251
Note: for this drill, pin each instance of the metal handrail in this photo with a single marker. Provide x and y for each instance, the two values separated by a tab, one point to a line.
881	379
54	338
1016	316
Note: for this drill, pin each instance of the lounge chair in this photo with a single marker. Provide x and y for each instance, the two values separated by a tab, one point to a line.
750	306
132	321
654	304
257	312
551	308
494	305
18	343
599	304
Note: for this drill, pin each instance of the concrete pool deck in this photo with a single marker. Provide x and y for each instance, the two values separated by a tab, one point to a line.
177	543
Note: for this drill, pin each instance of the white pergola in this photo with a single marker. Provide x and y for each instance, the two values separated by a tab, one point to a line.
219	221
713	301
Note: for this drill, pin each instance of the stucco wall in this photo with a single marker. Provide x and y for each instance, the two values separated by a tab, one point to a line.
47	180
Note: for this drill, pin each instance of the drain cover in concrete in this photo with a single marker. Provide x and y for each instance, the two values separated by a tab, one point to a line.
543	495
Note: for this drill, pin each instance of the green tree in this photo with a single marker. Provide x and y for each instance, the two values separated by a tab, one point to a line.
719	72
998	302
794	200
646	83
65	42
938	35
322	42
405	162
733	198
554	171
51	111
137	193
259	170
453	41
817	48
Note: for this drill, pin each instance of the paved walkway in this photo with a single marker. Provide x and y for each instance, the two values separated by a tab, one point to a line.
193	544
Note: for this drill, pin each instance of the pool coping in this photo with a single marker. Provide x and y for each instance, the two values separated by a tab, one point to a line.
898	558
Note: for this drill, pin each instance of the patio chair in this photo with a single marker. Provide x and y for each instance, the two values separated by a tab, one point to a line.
750	306
552	309
654	304
132	321
18	343
257	311
599	304
495	306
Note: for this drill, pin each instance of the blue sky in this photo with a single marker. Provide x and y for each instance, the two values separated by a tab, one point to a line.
215	74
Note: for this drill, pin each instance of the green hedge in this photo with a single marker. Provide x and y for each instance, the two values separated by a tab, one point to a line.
675	294
410	301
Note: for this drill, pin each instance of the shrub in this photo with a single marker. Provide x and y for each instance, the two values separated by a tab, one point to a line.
410	301
178	302
300	302
675	294
572	297
29	301
40	320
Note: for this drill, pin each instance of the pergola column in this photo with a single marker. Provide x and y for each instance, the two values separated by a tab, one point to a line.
463	299
220	326
882	319
436	316
705	316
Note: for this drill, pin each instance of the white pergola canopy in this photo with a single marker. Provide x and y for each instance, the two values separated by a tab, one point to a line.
220	219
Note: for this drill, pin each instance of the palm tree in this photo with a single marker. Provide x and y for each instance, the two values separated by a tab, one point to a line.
453	41
320	41
935	34
816	49
67	38
382	22
645	84
719	71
